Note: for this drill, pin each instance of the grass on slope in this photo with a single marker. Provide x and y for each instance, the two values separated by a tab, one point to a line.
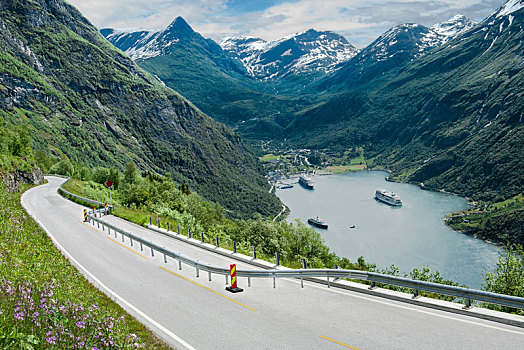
46	303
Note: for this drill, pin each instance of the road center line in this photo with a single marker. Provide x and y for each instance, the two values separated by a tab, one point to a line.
208	289
102	286
355	295
334	341
92	228
131	250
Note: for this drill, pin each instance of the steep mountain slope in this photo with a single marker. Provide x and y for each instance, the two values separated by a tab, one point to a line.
303	53
391	51
83	99
452	119
200	70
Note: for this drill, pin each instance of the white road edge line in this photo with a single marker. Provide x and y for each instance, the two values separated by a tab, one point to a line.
103	286
355	295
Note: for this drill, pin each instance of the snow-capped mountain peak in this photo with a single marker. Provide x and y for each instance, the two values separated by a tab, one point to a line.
298	53
454	26
143	44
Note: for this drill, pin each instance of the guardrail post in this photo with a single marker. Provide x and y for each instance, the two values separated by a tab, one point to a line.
234	247
274	281
152	252
158	223
226	278
122	237
197	271
373	285
218	245
209	273
328	283
304	263
167	223
165	259
150	221
103	229
467	303
415	293
277	254
180	264
141	247
188	233
131	238
302	282
116	236
249	281
177	230
254	252
98	223
202	237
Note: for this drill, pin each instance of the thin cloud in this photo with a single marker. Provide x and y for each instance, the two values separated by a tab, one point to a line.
361	21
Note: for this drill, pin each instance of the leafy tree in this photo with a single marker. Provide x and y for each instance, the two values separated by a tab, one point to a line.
508	277
131	173
44	161
114	175
19	142
184	188
84	173
63	167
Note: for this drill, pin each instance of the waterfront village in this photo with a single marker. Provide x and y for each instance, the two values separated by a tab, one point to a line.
282	164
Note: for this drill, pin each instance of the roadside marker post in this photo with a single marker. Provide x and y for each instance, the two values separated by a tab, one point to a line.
85	215
94	211
105	208
234	288
109	184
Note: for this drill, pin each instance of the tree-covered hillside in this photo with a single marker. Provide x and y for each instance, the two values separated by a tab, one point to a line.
451	119
210	77
83	99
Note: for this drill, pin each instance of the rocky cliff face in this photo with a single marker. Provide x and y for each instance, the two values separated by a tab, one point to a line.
13	180
81	97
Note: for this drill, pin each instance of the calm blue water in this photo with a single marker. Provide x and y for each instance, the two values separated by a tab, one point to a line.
413	235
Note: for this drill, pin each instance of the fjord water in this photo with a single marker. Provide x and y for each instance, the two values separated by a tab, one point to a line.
413	235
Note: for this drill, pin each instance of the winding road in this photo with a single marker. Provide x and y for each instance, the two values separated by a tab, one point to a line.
193	313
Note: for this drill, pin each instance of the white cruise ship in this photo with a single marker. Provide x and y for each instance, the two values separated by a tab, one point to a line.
388	197
305	181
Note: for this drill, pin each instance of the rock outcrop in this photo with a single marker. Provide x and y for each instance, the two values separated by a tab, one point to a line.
13	180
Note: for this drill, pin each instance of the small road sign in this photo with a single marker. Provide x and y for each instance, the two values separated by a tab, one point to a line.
109	183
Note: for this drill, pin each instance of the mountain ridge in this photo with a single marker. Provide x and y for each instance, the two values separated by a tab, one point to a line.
299	53
83	99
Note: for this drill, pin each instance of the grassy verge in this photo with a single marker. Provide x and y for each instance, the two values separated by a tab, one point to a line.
268	157
225	231
46	303
338	169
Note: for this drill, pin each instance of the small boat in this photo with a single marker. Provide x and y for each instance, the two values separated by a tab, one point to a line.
352	226
318	222
305	181
286	186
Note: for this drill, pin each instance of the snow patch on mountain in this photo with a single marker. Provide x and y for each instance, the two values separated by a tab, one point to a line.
454	26
510	7
142	43
299	53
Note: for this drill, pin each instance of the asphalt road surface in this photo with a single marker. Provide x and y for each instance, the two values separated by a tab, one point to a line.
193	313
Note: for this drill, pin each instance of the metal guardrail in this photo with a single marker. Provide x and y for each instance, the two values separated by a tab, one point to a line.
64	192
467	294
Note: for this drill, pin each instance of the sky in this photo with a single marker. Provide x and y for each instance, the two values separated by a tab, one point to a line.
360	21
